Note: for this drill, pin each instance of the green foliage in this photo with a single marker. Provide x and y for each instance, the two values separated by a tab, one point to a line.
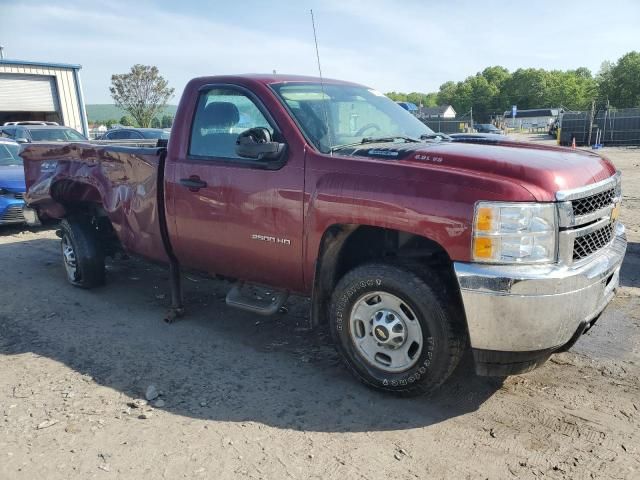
167	121
155	123
495	89
424	99
111	122
127	121
620	82
142	92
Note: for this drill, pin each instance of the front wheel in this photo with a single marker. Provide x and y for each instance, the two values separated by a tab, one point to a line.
82	255
396	329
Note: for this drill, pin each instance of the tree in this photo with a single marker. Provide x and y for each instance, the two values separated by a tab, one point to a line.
110	123
127	121
397	96
619	82
167	121
142	92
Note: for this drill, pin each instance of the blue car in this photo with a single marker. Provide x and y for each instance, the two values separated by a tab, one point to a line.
12	187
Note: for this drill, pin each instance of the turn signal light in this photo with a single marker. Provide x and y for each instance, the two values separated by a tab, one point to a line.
483	247
484	219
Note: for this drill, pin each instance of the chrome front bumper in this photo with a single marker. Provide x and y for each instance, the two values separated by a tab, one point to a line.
526	308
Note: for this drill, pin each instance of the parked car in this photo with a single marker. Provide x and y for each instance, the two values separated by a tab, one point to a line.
31	122
486	138
135	134
411	250
41	133
12	187
487	128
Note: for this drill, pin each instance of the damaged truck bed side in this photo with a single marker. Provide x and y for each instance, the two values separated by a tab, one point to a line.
412	247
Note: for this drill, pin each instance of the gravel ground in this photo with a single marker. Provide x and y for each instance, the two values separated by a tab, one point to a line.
241	396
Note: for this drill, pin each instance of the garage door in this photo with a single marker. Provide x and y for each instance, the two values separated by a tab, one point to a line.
27	93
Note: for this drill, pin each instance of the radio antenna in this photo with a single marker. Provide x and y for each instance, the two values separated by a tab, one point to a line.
326	114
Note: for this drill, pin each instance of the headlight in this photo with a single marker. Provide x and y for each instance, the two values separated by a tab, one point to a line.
618	189
514	232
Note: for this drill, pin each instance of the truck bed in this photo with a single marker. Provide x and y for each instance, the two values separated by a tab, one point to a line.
123	181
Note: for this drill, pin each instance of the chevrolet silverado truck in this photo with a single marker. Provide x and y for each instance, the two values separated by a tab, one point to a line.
412	248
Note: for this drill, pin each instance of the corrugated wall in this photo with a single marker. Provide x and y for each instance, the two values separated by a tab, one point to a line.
66	87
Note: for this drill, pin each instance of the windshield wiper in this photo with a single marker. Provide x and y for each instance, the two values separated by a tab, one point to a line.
366	140
435	136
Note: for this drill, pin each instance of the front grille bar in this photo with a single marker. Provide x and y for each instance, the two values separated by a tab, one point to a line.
592	242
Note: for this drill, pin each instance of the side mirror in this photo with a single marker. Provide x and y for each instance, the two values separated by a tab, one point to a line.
256	144
22	140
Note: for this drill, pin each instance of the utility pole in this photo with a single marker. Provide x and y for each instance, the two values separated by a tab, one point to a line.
604	126
593	110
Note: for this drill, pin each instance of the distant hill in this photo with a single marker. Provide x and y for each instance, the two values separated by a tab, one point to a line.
101	112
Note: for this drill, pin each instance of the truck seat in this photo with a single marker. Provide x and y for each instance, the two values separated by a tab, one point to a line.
211	136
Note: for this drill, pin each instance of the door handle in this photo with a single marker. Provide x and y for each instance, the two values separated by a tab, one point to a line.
193	183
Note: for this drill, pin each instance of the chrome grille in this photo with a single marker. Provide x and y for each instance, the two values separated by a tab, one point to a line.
19	196
592	242
13	214
593	203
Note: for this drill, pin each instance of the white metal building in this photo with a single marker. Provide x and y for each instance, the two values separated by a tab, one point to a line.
532	118
42	91
442	111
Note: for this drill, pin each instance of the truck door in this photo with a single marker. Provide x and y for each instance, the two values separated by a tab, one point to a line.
230	215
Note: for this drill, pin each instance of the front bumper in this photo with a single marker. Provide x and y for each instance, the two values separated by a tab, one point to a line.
518	315
11	211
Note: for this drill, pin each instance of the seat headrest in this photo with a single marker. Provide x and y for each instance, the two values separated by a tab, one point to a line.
219	115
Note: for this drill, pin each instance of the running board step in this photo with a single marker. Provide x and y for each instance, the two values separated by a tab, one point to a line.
256	299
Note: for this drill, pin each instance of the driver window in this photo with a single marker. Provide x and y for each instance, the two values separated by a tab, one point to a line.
221	115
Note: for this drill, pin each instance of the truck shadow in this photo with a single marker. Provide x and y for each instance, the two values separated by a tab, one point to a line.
630	271
217	363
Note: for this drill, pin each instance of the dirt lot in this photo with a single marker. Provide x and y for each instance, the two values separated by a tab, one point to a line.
248	397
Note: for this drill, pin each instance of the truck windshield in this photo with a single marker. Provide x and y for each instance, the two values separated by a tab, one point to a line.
338	115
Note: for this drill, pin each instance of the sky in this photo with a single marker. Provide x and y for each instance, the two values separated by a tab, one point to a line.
402	46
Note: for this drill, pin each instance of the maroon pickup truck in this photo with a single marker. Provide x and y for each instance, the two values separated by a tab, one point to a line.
413	247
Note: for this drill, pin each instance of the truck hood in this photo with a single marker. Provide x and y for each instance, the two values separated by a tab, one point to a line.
12	178
542	170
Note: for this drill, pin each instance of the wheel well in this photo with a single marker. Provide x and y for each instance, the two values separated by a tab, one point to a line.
344	247
83	201
69	192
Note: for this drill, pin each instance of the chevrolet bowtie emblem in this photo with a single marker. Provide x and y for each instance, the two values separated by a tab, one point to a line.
615	213
381	333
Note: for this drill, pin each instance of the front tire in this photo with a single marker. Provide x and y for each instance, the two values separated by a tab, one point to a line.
396	328
82	255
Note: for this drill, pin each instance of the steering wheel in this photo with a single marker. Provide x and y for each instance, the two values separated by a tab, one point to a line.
367	127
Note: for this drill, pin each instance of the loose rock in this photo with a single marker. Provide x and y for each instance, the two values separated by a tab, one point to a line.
137	403
151	393
46	424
